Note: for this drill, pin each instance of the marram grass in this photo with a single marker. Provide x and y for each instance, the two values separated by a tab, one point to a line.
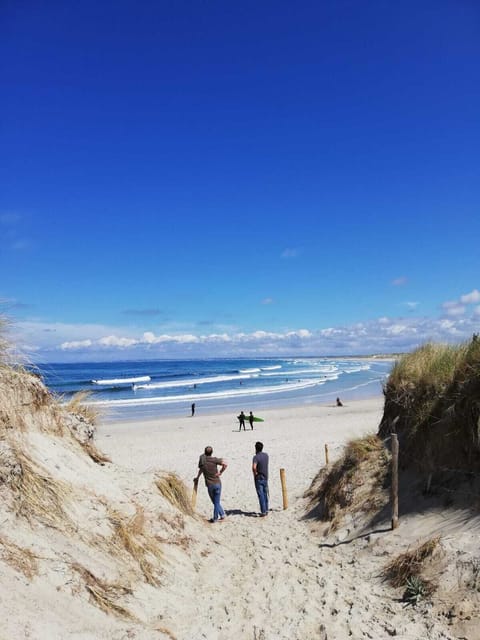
431	401
174	490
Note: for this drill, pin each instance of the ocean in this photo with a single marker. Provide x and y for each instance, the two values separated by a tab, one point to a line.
143	389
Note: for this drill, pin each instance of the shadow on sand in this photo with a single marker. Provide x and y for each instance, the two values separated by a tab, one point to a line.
331	545
239	512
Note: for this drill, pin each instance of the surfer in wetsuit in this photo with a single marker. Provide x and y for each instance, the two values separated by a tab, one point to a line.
241	417
250	419
193	409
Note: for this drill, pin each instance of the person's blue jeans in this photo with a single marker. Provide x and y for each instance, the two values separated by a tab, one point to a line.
215	491
261	485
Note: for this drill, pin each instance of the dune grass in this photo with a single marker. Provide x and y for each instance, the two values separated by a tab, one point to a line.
103	594
174	490
38	496
78	404
19	558
353	483
431	400
144	548
408	570
410	563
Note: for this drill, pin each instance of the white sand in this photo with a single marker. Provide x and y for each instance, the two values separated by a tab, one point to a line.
294	438
248	578
274	578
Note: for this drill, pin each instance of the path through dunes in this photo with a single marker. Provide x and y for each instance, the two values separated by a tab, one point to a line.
271	579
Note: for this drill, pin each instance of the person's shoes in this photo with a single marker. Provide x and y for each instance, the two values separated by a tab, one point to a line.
222	518
212	521
264	515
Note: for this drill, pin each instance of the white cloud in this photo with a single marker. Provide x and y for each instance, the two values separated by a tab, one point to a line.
399	282
76	344
471	298
412	305
60	341
453	308
114	341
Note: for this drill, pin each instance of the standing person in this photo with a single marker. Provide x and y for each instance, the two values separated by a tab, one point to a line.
260	476
250	419
193	409
241	417
208	465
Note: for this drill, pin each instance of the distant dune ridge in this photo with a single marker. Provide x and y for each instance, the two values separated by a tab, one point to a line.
98	539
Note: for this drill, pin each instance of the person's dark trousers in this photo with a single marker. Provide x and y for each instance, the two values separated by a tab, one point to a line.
261	485
215	491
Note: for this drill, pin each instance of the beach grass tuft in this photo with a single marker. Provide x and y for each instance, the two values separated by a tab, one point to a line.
143	547
353	483
38	495
94	452
104	594
78	405
174	490
19	558
410	564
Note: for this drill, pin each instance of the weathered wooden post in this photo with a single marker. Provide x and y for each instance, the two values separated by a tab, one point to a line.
284	488
394	481
326	454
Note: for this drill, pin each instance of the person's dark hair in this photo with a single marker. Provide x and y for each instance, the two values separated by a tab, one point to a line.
258	446
208	451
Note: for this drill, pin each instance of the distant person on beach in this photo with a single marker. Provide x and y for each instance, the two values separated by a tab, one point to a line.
193	409
241	417
250	419
260	476
208	465
339	403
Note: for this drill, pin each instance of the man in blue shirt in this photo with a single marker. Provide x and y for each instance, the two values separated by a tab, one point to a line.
260	476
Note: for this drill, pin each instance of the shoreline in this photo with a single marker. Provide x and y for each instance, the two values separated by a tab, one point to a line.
158	411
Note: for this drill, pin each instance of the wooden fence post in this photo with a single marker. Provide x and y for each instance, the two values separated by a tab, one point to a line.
394	481
284	488
326	454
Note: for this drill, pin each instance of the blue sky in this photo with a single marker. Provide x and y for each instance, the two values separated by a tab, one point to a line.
187	179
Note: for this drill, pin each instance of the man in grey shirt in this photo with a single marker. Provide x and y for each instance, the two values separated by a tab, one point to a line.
260	476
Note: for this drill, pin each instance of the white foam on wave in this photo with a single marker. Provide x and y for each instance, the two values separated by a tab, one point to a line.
254	370
294	372
292	386
122	380
275	366
364	367
170	384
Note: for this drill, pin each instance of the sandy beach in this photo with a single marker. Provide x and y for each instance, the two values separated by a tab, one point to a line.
294	438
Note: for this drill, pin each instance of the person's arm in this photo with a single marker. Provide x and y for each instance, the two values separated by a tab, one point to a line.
223	467
254	468
200	471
